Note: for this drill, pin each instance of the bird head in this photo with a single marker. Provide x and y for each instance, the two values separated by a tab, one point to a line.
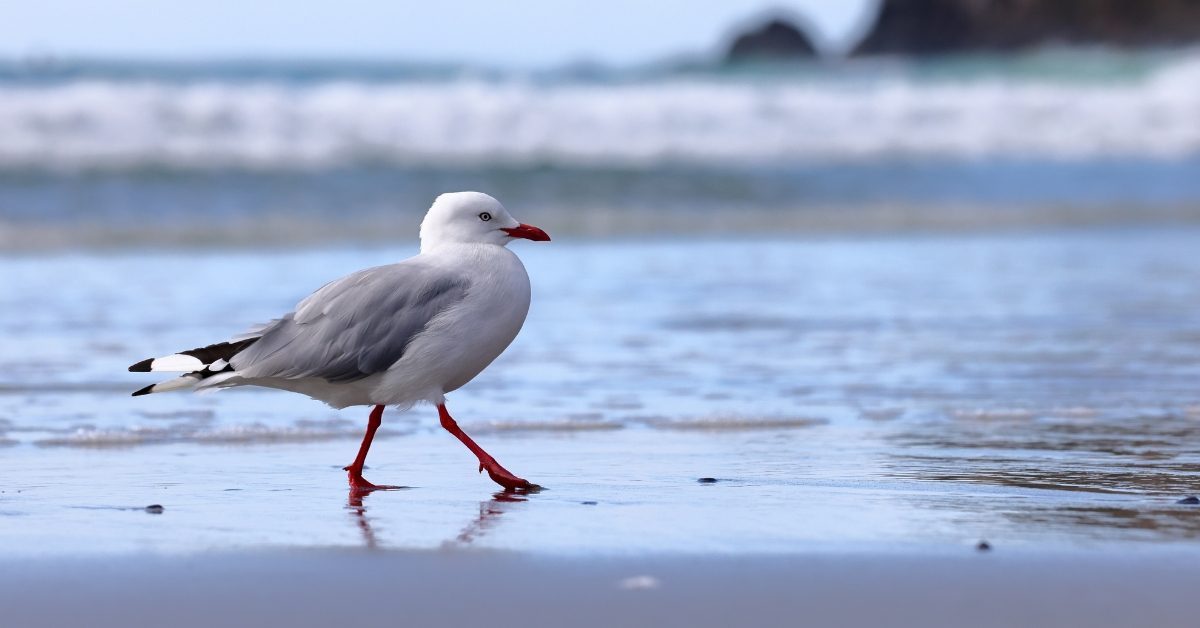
473	218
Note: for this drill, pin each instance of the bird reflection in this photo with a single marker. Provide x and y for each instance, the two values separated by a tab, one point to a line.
358	511
489	514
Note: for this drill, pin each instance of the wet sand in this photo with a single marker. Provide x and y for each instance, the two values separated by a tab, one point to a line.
453	588
866	429
796	530
794	490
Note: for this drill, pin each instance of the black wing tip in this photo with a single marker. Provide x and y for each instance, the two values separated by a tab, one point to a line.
144	391
141	367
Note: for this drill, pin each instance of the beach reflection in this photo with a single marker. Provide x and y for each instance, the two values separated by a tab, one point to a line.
487	519
483	522
1100	522
358	511
1097	478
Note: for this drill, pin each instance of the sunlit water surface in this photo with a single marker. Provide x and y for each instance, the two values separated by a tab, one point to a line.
849	393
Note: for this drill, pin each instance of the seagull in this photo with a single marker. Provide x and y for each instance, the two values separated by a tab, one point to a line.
393	335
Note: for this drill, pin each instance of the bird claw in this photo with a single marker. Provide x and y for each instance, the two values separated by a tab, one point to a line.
511	482
360	484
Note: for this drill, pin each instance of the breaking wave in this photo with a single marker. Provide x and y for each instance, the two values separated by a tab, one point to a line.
99	122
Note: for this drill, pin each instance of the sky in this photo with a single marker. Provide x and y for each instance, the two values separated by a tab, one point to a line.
528	33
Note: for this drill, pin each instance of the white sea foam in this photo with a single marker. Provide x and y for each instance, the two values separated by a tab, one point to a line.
104	123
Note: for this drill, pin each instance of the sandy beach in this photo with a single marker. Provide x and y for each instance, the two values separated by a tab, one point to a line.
624	534
866	412
795	529
450	588
864	431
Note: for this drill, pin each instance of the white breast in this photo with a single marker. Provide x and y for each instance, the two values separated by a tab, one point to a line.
465	339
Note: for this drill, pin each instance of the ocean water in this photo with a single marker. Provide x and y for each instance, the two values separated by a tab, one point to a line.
109	153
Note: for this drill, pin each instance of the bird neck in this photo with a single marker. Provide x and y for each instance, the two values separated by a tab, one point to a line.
461	252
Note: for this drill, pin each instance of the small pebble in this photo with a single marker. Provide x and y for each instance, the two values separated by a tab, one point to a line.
639	582
154	509
983	546
707	480
1190	499
588	503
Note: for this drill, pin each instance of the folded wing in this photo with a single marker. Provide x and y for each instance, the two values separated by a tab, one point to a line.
355	326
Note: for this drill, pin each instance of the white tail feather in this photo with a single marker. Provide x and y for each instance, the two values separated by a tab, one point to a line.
176	363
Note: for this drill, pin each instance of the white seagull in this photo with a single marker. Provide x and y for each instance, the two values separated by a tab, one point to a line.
391	335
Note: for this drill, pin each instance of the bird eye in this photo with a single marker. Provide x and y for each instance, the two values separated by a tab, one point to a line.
485	216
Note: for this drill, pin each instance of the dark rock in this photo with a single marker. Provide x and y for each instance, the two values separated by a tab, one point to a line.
918	28
930	27
777	40
707	480
588	503
983	546
154	509
1190	500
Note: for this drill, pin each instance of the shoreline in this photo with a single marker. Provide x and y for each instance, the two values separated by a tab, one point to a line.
283	235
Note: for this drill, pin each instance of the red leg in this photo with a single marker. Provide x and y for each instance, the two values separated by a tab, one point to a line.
499	474
354	471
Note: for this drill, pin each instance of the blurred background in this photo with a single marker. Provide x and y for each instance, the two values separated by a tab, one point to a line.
937	255
219	123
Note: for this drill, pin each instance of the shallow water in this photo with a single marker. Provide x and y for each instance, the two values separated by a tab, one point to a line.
868	392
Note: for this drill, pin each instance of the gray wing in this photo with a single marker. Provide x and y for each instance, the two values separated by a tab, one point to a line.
355	326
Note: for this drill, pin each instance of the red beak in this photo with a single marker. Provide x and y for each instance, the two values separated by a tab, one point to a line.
529	232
